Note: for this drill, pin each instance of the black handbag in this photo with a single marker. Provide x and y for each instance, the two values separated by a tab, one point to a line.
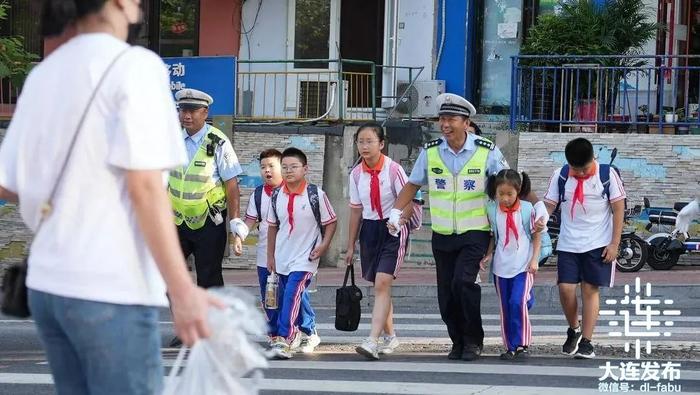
347	303
14	283
14	291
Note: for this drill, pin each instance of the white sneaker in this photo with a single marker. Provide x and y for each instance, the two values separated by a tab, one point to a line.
296	341
389	344
369	348
279	349
309	342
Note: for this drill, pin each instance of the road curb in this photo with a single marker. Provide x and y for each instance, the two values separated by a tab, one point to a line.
684	296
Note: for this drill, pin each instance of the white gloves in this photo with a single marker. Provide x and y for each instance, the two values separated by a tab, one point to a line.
686	216
238	227
541	212
394	218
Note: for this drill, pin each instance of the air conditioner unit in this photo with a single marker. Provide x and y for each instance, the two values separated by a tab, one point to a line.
419	100
316	97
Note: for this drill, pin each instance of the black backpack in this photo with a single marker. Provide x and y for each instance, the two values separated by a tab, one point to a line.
313	200
347	303
257	198
603	174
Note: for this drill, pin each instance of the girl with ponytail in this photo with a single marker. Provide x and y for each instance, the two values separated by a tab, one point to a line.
515	251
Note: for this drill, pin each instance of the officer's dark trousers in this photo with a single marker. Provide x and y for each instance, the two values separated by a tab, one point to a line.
208	245
457	260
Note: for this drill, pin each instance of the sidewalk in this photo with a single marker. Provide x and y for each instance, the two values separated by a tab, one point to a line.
417	287
327	276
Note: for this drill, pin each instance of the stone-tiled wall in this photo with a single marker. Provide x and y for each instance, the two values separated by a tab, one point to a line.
14	236
663	168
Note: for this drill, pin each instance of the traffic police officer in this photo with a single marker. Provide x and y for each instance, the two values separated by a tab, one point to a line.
205	190
455	168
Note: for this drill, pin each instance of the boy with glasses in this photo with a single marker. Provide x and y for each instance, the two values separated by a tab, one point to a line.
301	226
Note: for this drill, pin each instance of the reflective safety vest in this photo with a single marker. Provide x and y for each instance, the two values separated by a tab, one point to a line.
192	189
458	202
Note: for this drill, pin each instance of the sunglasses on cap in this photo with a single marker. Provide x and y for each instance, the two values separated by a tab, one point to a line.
190	106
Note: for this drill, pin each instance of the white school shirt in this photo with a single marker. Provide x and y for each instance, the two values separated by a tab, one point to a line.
592	228
252	214
292	250
91	246
513	259
359	192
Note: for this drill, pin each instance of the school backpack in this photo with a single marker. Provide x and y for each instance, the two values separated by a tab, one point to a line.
313	200
416	220
257	198
526	213
603	174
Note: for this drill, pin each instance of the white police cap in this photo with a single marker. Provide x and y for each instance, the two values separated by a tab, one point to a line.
451	104
193	97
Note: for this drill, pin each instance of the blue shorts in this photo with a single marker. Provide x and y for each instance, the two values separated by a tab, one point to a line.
381	252
588	267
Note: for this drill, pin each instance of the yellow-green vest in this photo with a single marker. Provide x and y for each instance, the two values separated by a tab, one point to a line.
458	202
192	189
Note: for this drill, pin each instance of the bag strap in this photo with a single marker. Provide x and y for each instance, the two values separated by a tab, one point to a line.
273	204
561	183
525	214
393	175
316	206
47	206
349	272
491	214
257	198
604	175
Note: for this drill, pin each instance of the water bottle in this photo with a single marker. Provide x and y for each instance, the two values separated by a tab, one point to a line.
271	292
418	199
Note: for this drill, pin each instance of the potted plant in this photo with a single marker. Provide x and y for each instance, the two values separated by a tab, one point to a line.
584	27
643	119
619	121
670	116
680	117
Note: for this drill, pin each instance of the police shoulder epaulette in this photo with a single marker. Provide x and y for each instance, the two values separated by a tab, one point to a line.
432	143
481	142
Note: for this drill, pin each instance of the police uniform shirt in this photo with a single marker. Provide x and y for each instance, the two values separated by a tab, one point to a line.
495	161
227	165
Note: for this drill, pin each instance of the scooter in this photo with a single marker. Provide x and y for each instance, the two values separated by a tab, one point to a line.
632	254
667	244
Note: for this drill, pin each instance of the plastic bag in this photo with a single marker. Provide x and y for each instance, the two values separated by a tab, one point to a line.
216	365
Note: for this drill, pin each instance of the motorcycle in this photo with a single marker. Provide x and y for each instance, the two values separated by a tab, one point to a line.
667	244
632	254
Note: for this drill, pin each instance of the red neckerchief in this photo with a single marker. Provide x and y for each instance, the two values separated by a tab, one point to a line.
290	202
510	220
268	189
375	196
578	192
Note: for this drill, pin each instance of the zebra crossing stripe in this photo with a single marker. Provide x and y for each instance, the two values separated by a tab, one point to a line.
348	387
559	329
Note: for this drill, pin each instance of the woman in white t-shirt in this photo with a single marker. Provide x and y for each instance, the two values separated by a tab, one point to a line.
374	185
103	256
515	250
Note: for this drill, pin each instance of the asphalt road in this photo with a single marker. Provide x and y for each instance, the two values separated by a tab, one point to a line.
419	365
